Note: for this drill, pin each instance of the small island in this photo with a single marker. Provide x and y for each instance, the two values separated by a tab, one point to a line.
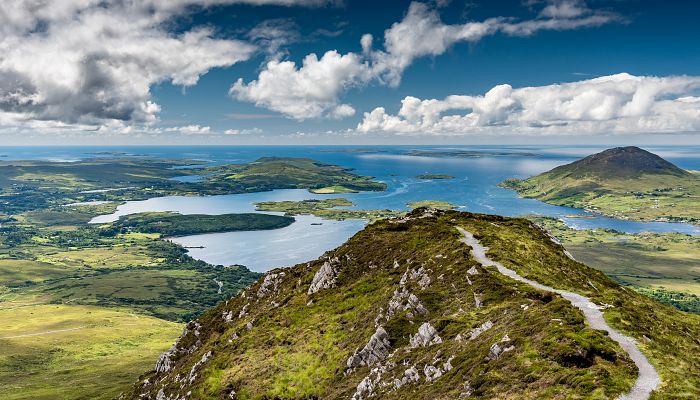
175	224
434	176
326	209
437	204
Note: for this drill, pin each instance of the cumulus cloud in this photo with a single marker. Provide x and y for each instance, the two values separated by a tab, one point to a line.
420	33
94	61
243	131
190	129
621	103
309	91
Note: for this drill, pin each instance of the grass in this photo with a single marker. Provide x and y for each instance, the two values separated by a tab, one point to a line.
438	204
648	197
661	265
297	344
44	353
326	209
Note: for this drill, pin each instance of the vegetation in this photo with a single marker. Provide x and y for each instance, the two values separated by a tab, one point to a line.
87	307
434	176
437	204
626	183
282	340
45	185
291	173
661	265
45	352
174	224
326	209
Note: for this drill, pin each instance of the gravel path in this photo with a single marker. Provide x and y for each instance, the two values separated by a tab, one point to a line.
648	378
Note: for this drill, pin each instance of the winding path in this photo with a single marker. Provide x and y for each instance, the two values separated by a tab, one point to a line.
647	380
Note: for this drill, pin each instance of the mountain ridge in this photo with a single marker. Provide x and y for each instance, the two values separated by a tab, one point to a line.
402	310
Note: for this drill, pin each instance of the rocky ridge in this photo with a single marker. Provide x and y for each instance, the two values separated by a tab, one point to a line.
403	311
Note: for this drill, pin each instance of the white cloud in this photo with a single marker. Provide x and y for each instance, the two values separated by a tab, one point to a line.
282	86
252	131
309	91
190	129
88	62
619	103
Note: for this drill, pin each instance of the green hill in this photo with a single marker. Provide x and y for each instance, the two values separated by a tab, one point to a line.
624	182
404	311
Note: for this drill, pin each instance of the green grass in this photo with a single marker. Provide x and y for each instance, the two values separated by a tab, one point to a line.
298	343
649	197
76	352
661	265
438	204
326	209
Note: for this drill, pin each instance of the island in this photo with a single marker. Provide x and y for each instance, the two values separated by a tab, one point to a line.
326	209
434	176
173	224
623	182
437	204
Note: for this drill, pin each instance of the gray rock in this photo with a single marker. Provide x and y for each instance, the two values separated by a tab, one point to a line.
411	375
376	349
191	377
227	316
474	333
324	278
431	373
165	363
270	283
427	335
403	300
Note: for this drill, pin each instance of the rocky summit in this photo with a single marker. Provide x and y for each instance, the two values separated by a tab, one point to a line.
406	309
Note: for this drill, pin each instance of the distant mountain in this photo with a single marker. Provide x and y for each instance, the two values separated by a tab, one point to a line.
403	310
618	163
623	182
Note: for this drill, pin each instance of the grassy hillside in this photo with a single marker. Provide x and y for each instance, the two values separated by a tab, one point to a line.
356	318
627	182
663	266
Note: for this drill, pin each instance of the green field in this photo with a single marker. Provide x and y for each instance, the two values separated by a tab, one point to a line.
53	351
326	209
663	266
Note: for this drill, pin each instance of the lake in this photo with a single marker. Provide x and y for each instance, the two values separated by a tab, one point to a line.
473	189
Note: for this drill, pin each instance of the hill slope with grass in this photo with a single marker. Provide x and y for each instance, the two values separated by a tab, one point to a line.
623	182
403	310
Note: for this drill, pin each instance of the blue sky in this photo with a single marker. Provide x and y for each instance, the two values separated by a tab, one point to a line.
436	72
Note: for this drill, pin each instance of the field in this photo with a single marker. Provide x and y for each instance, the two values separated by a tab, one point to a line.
52	351
662	266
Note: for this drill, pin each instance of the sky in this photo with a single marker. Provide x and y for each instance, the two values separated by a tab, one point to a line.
349	72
